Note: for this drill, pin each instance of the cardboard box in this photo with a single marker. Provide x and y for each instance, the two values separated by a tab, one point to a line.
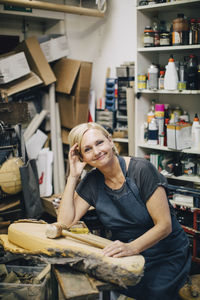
37	60
54	46
73	88
64	135
179	136
13	66
19	85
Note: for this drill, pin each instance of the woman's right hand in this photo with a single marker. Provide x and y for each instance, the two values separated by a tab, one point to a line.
76	165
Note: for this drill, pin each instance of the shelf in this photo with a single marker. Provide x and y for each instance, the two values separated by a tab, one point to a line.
34	14
191	231
120	140
176	92
169	6
168	48
164	148
185	178
179	203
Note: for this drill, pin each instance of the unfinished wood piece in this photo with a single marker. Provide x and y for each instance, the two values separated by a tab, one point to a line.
75	285
34	124
121	271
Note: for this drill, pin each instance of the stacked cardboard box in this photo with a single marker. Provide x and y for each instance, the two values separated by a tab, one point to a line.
73	87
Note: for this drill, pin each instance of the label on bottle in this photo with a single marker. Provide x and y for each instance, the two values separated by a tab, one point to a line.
161	83
150	117
142	85
152	81
176	38
148	41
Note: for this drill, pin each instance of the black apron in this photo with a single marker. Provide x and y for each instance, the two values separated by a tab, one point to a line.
167	263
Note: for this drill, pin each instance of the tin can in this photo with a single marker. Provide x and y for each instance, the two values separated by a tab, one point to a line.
142	81
164	39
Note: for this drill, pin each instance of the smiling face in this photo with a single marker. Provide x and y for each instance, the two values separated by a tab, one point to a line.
96	148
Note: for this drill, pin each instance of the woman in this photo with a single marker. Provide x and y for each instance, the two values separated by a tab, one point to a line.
129	195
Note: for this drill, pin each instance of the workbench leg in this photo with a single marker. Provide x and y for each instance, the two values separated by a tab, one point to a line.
54	285
104	295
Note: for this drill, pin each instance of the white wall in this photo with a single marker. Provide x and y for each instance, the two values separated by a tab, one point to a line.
107	42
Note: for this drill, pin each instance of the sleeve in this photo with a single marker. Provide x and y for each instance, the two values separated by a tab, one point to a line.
87	187
148	178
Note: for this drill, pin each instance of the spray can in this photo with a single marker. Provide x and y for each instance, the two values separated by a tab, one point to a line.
159	115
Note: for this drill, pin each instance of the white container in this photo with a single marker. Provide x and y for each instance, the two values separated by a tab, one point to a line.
153	77
197	137
171	76
195	132
153	133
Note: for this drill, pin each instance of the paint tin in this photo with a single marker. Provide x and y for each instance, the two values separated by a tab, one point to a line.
142	81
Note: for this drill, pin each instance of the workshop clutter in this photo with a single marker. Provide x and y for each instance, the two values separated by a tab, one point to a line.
24	282
72	79
170	127
111	109
175	165
28	65
37	60
54	46
174	75
182	30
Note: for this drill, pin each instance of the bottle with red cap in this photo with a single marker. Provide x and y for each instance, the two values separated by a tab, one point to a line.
171	75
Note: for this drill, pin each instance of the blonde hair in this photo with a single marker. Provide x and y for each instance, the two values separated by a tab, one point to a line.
76	134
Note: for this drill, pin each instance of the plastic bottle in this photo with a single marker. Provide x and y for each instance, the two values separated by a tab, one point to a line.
191	73
153	133
153	77
151	112
166	121
195	132
198	76
159	116
171	75
161	80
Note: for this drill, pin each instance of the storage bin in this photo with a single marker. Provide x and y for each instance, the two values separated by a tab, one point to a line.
22	291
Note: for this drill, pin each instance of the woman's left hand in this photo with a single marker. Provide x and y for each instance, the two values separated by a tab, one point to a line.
119	249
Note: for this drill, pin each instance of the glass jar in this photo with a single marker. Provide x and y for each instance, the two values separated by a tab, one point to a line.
180	33
148	37
164	39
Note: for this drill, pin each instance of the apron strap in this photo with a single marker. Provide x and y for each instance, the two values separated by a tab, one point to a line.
122	165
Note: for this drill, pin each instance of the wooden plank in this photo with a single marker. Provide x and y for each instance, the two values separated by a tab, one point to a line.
121	271
75	285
